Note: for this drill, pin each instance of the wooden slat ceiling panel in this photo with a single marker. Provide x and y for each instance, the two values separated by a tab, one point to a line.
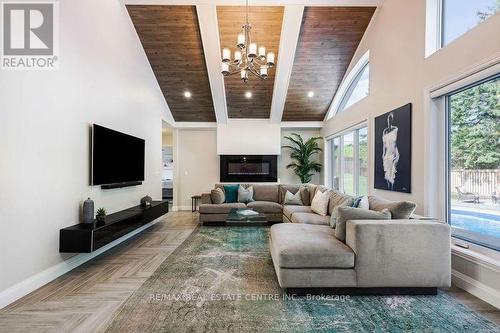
171	38
266	29
328	39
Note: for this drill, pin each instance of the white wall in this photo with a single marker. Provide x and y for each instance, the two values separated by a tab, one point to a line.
104	78
248	137
399	74
196	164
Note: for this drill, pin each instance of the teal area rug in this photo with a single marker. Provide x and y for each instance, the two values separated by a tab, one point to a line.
221	279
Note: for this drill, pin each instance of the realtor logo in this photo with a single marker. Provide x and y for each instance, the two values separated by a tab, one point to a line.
29	35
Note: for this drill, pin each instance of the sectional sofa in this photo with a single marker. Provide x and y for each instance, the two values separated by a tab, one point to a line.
405	254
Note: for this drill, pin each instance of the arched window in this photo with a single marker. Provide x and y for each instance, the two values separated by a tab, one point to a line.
354	88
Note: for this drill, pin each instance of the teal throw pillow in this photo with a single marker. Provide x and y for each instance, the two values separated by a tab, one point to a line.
231	192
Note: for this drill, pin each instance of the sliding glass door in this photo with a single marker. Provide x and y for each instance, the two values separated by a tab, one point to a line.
349	162
474	163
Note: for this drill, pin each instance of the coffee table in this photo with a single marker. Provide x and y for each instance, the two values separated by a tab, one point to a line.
233	218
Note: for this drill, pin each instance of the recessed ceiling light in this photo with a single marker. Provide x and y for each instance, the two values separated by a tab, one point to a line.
310	94
187	94
248	94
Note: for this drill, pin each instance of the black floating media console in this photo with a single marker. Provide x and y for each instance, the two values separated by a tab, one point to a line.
86	238
120	185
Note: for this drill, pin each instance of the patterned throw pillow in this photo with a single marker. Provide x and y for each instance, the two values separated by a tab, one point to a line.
217	196
319	203
293	199
231	193
245	195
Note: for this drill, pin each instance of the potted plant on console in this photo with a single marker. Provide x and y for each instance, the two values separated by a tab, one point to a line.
100	215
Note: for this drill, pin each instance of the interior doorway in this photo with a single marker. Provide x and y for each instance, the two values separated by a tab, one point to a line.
167	178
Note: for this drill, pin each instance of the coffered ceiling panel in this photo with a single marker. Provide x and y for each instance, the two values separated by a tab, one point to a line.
266	29
171	38
328	39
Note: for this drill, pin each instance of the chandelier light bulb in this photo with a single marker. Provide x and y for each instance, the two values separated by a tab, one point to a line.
252	52
262	53
241	40
244	75
237	56
263	71
270	59
226	55
225	69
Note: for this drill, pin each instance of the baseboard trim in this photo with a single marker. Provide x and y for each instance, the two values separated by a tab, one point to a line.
476	288
38	280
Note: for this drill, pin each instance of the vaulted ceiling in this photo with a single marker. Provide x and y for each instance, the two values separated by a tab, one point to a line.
317	61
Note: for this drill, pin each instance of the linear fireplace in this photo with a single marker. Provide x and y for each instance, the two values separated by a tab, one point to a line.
248	168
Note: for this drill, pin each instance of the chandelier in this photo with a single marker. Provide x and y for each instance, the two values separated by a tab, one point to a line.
247	58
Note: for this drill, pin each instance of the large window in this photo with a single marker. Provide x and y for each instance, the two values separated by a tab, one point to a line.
358	89
354	87
459	16
349	162
474	163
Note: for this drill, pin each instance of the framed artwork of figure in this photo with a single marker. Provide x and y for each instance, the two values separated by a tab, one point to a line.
393	150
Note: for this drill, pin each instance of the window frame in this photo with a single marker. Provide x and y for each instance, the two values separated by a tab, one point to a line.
348	84
356	163
464	235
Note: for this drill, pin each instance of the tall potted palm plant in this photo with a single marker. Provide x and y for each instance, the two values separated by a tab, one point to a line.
302	153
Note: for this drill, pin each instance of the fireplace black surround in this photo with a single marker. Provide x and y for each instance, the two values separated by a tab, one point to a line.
248	168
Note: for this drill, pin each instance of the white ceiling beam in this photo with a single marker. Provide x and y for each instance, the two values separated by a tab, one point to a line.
290	31
362	3
302	124
209	28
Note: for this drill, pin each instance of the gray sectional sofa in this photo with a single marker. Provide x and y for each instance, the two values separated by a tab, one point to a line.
407	253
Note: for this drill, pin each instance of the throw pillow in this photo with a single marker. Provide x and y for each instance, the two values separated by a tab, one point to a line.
319	203
399	209
245	195
293	199
333	219
217	196
231	192
361	202
345	214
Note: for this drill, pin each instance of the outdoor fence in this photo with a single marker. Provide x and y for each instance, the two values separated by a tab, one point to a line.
482	182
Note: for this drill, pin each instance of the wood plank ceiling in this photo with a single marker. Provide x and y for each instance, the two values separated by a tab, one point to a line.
266	29
328	39
171	38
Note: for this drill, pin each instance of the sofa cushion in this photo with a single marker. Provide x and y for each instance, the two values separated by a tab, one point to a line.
266	193
310	218
400	210
319	204
288	211
304	193
245	195
265	206
345	214
217	196
223	208
309	246
338	199
231	193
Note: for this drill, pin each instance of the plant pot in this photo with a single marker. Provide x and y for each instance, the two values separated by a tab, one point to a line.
101	219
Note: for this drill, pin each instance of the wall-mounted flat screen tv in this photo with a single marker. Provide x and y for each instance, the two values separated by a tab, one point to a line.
115	157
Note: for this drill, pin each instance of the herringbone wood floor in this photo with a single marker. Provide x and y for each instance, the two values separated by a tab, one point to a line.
85	299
